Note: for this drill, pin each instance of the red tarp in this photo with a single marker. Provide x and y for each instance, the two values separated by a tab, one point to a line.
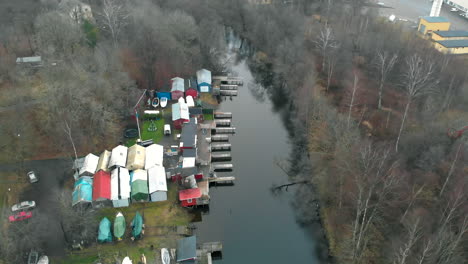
189	194
102	185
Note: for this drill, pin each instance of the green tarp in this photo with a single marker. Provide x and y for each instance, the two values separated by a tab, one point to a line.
119	226
140	190
137	225
105	234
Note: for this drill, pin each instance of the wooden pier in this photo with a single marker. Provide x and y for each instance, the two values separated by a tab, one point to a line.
223	122
222	115
223	167
225	130
219	138
228	80
228	92
228	87
222	180
221	156
220	147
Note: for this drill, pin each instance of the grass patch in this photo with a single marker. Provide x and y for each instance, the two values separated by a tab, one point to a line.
208	117
145	134
155	215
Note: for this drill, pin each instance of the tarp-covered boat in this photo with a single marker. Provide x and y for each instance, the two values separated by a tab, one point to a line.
119	226
105	234
137	226
126	260
43	260
165	257
155	102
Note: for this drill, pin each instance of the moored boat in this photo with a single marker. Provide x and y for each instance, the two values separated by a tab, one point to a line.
163	102
155	102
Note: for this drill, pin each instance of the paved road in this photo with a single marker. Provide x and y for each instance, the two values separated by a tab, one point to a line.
52	174
413	9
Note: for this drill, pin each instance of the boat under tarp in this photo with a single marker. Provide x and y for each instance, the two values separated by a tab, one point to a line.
119	226
137	226
127	260
105	234
165	257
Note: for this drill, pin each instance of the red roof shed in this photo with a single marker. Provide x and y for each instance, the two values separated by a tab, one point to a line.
189	197
102	186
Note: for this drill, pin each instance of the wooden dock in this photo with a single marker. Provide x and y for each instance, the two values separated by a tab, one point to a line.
225	130
220	146
222	180
223	167
222	115
221	156
228	87
219	138
228	92
223	122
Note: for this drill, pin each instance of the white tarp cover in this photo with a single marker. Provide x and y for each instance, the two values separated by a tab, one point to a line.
136	157
89	165
140	175
190	102
118	157
154	156
204	76
188	163
124	179
157	179
115	184
103	161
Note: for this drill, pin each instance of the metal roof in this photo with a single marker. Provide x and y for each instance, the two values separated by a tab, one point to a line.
102	185
28	59
435	19
451	33
157	179
180	111
189	194
188	135
187	248
204	76
189	153
177	84
455	43
196	111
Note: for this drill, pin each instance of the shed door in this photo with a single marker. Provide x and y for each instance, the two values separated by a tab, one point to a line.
204	89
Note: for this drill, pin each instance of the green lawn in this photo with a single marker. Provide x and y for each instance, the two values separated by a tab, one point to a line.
208	116
167	213
145	134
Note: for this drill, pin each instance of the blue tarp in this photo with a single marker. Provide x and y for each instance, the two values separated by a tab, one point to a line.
187	249
164	94
83	191
105	234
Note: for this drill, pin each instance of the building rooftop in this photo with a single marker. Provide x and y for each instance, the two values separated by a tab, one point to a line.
451	33
456	43
435	19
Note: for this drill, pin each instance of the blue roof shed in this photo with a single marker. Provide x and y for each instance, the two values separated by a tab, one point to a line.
204	81
83	191
164	94
187	249
431	19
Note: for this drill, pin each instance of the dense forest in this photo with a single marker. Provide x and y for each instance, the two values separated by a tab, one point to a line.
374	106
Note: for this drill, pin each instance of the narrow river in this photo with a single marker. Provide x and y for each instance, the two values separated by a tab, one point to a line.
254	225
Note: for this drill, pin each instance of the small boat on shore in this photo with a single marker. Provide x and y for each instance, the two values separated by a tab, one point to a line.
155	102
43	260
163	102
119	226
165	257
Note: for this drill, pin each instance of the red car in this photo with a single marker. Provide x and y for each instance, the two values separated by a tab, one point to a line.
20	216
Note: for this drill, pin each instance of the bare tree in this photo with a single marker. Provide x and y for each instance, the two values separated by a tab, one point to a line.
452	167
374	177
414	233
331	63
114	16
417	79
351	104
414	195
384	64
324	42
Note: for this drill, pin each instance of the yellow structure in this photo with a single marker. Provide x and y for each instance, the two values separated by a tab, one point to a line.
429	24
449	35
458	46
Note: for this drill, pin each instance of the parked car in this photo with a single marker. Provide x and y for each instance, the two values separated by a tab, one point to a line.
167	129
33	257
32	177
26	205
20	216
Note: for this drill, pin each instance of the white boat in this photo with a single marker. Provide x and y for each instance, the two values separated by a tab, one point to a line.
43	260
126	260
155	102
165	257
163	102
